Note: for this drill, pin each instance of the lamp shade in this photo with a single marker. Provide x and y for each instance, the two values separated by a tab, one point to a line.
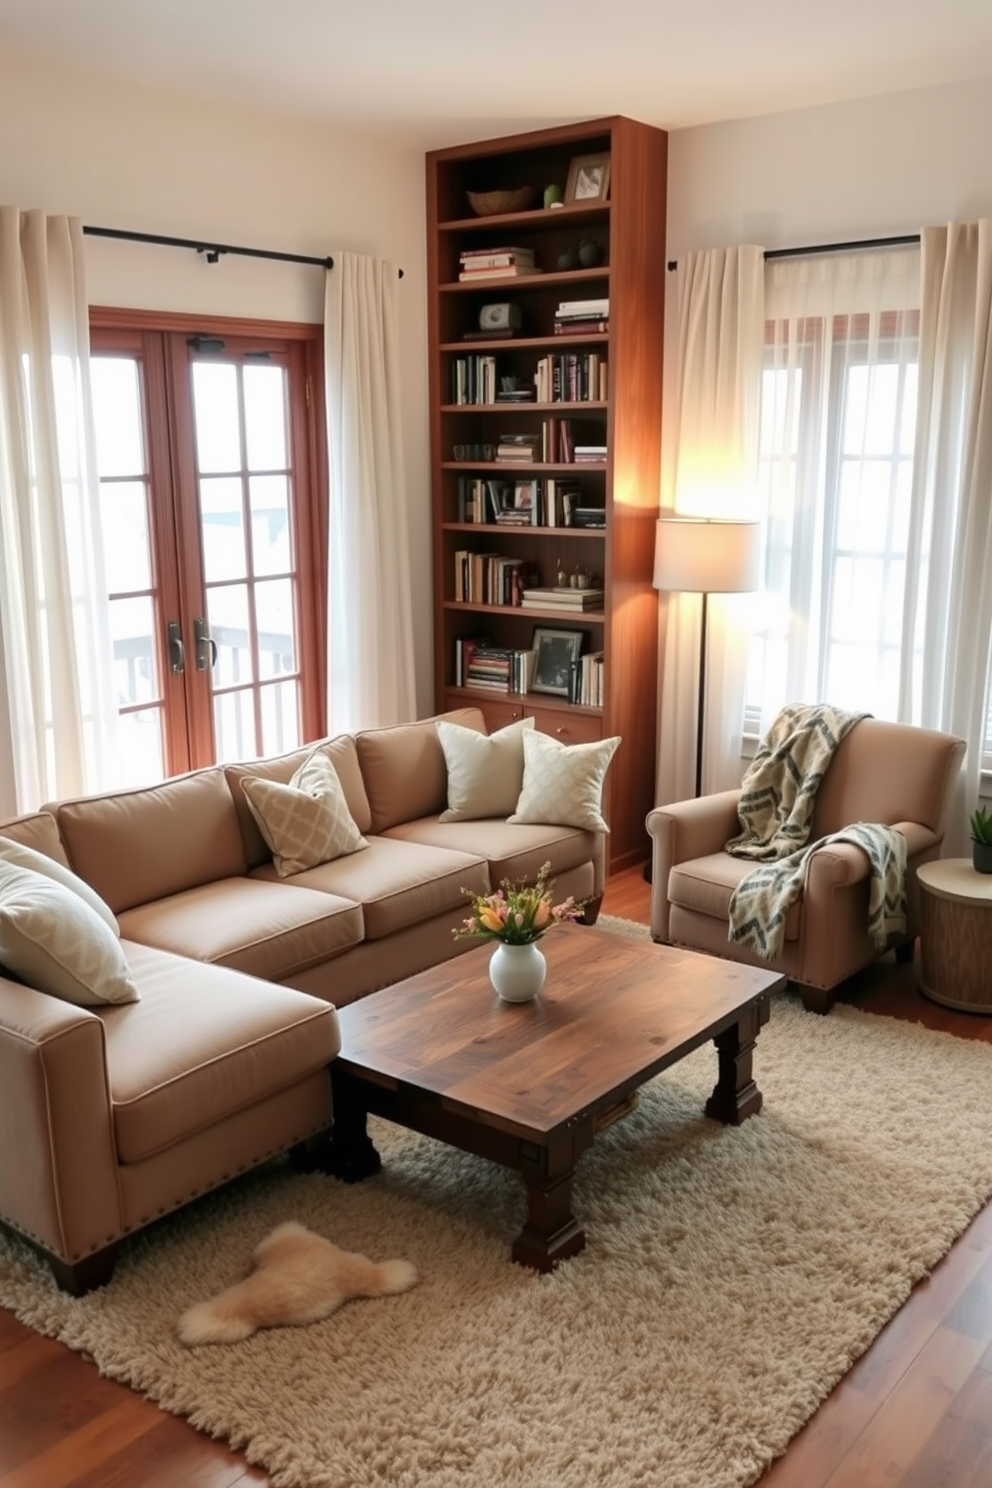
707	555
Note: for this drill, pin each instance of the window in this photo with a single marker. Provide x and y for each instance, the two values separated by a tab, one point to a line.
209	454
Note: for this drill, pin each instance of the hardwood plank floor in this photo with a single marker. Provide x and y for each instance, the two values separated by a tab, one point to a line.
915	1411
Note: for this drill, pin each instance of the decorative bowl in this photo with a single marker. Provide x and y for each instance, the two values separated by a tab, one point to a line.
492	203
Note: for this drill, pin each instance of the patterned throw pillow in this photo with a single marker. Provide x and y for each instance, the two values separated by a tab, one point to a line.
563	783
485	771
26	857
307	821
51	939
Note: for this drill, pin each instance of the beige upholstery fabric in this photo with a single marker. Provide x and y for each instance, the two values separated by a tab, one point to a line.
40	831
404	770
51	939
21	856
485	771
514	852
563	783
343	756
306	821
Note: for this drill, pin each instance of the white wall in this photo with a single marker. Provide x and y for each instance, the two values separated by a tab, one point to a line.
151	160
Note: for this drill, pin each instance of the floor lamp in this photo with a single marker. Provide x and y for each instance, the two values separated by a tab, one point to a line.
702	555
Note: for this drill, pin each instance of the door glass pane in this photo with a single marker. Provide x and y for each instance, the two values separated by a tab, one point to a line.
274	618
234	726
135	671
280	717
215	411
265	416
126	553
227	611
117	414
142	755
270	546
222	526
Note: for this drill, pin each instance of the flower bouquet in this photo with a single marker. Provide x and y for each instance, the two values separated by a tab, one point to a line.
517	914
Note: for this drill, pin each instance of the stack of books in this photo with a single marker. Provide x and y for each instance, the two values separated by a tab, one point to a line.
578	317
496	263
567	600
518	449
478	663
589	454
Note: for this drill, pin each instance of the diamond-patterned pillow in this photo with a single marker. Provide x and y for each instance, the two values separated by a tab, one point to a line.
51	939
307	821
563	783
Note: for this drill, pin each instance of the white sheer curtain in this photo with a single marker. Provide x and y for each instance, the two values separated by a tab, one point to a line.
718	371
370	657
947	623
838	415
57	705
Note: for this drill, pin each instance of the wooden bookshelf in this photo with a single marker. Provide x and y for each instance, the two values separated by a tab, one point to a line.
629	227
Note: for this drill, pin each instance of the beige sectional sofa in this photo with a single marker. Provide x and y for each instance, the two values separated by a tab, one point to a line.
111	1116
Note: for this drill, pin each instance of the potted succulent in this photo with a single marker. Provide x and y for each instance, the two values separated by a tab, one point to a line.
981	839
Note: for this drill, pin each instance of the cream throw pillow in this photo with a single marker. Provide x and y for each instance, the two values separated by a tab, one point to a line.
52	940
485	771
563	783
307	821
26	857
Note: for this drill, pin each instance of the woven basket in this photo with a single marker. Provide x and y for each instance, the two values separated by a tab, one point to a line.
490	203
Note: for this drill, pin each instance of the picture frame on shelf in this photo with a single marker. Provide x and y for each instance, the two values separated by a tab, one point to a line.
557	652
588	179
525	495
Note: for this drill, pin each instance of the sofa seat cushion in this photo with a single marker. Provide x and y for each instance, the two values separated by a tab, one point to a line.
266	929
705	885
203	1043
397	883
514	852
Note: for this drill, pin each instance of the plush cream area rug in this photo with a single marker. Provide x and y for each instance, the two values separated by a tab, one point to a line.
731	1277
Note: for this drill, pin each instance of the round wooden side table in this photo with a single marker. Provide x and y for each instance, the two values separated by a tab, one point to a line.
956	935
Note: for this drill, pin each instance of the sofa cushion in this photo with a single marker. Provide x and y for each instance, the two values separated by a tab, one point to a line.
21	856
404	770
563	783
134	846
306	821
513	852
343	756
705	885
485	771
267	929
38	830
203	1043
53	940
397	883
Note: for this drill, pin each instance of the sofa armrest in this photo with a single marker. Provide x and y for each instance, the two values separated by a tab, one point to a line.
58	1162
680	832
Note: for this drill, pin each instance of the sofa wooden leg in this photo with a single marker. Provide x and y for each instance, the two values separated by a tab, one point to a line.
817	999
905	951
84	1276
591	912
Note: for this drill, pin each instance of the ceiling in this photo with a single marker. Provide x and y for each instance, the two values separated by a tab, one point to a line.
442	71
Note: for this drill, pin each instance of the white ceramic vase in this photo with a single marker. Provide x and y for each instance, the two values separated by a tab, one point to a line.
517	971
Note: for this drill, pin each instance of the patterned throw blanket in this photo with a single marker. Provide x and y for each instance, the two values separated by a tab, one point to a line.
776	810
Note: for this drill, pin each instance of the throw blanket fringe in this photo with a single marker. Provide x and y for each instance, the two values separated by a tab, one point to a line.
760	903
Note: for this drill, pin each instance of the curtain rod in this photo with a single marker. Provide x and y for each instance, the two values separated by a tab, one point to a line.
213	251
896	242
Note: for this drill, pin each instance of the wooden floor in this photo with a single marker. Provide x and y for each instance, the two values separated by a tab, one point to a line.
915	1411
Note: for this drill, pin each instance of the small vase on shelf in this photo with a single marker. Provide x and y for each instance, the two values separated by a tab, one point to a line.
517	972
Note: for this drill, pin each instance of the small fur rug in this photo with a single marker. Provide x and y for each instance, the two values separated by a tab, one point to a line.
299	1277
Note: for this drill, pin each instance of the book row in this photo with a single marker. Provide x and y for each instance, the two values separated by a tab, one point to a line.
563	377
492	578
530	502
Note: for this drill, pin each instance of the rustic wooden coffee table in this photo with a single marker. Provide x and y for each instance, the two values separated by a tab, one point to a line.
530	1084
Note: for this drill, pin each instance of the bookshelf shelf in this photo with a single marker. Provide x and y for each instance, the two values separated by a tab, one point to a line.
492	558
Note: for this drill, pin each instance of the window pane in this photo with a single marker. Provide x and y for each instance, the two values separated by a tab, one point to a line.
265	417
227	611
126	554
280	717
132	624
118	416
270	546
276	628
234	726
215	411
222	526
142	755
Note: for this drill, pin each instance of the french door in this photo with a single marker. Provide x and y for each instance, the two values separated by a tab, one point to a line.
209	452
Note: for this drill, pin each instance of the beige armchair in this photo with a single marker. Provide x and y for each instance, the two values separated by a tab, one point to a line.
890	773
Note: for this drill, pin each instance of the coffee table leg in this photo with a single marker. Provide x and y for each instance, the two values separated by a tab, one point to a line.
735	1096
350	1153
551	1233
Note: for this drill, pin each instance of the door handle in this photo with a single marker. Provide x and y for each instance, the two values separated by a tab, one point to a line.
206	646
177	651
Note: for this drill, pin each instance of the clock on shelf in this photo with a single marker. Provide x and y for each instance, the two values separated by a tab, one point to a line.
500	317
